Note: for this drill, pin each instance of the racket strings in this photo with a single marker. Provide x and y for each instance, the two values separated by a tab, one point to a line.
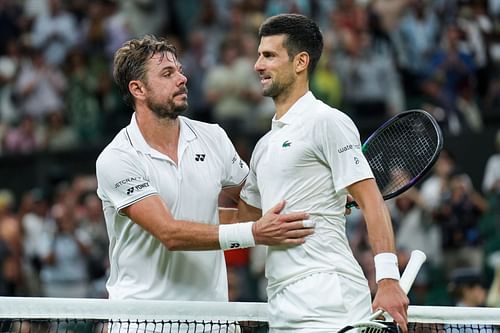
402	151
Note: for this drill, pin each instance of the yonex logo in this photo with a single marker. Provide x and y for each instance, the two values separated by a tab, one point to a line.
199	157
130	191
286	144
234	245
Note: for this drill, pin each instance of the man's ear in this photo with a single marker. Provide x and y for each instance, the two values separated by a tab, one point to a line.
137	89
301	62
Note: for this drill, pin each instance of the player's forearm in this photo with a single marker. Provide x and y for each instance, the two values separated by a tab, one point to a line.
376	215
379	226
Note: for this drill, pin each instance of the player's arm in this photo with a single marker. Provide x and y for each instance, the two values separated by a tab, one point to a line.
228	205
152	214
389	296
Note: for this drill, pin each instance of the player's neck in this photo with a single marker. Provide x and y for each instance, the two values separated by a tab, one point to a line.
160	134
287	99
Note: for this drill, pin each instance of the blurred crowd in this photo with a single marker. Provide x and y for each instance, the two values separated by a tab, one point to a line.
380	57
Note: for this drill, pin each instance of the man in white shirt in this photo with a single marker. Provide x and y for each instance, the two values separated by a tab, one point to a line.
162	173
312	157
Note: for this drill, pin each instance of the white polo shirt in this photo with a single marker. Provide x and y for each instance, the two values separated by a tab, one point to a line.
129	170
308	158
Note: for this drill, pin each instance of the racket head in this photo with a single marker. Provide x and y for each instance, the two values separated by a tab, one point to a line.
371	327
403	150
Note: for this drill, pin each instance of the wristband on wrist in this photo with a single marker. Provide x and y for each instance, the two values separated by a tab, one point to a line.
386	266
236	235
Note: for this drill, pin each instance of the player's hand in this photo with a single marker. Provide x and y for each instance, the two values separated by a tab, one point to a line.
282	229
393	300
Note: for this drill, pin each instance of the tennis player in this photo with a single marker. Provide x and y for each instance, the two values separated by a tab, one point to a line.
312	157
163	172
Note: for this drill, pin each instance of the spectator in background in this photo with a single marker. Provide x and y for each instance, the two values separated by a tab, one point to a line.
11	21
197	61
93	223
458	215
434	187
25	138
83	109
491	178
466	287
55	33
416	37
325	82
370	83
11	249
10	63
33	213
232	89
40	87
448	69
64	253
58	135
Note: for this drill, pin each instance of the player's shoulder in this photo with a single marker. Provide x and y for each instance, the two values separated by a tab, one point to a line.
203	129
326	115
120	146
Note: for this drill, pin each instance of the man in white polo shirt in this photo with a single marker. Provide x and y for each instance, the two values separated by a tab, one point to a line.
312	157
159	181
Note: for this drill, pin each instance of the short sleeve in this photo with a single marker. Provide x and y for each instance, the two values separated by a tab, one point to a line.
340	145
122	179
235	169
250	192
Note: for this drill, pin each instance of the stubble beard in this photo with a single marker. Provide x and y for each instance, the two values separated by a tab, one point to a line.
169	110
277	88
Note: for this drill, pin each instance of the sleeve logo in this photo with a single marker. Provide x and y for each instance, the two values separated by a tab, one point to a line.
139	187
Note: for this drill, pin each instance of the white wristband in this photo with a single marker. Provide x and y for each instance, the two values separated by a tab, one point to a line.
236	236
386	266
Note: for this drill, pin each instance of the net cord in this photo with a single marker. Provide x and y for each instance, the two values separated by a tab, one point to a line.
86	308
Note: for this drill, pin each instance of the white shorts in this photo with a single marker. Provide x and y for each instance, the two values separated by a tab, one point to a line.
321	302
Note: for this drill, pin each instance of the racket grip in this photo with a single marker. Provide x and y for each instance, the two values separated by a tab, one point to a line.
417	258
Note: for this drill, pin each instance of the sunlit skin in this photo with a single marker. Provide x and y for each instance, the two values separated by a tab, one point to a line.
283	78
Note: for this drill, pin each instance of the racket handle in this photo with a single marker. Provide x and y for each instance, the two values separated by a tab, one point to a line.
417	258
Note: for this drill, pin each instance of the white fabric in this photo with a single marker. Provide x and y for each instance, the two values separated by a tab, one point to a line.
236	236
491	173
129	170
386	266
308	158
333	301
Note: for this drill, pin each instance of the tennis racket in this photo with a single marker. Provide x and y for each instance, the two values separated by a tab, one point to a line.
417	258
402	151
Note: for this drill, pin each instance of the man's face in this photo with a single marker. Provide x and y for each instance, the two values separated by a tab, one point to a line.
274	66
166	86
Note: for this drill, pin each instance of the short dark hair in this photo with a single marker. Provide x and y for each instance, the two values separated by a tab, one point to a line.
130	61
302	34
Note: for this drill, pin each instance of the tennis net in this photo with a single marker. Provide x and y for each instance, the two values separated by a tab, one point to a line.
54	315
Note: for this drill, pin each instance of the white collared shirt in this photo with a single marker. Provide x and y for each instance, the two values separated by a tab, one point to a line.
308	158
129	170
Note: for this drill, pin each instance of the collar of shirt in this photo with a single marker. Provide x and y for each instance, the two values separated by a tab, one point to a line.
139	143
295	112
